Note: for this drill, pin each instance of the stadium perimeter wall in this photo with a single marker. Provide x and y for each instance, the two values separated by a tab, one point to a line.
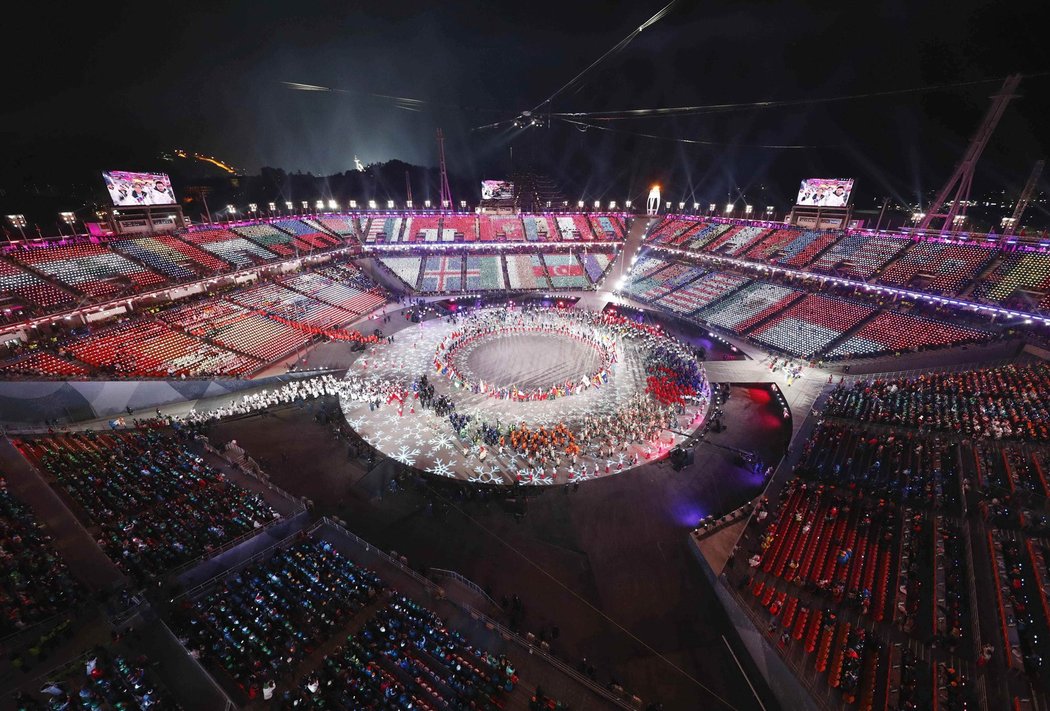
30	403
787	689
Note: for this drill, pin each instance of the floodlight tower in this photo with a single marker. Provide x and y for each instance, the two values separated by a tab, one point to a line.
1026	197
446	193
957	189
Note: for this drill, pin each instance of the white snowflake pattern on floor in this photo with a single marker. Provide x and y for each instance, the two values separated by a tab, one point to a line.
419	438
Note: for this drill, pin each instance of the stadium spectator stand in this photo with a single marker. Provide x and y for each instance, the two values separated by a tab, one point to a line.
346	227
894	332
280	243
43	364
735	240
940	267
230	247
268	617
1005	402
597	264
574	228
425	229
1020	278
352	292
749	306
442	274
459	228
266	620
501	228
383	230
538	228
565	271
610	227
404	268
526	271
484	273
810	325
672	232
305	231
90	269
272	298
701	292
144	348
29	288
36	583
102	679
155	504
860	256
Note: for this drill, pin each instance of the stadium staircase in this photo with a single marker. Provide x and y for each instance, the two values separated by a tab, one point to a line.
967	291
632	245
899	256
506	274
845	336
546	269
817	255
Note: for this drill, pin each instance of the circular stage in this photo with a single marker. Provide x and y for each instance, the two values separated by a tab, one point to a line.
526	395
534	361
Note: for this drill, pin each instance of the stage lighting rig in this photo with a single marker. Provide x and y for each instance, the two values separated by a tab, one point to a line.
527	119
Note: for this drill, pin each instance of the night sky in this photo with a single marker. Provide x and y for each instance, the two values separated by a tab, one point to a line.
112	85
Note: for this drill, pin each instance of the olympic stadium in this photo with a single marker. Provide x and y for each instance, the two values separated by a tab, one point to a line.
606	401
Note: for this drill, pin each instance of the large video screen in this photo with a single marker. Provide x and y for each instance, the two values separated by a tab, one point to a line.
138	189
497	190
825	192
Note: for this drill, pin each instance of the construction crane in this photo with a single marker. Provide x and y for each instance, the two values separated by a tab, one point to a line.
956	192
1012	223
446	193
